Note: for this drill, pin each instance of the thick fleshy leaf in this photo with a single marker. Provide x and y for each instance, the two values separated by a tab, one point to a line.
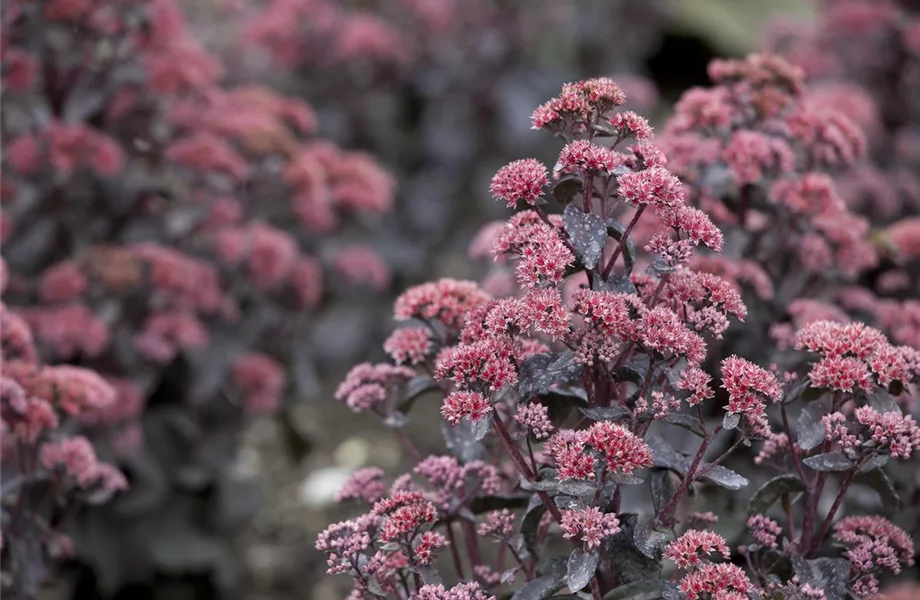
649	541
731	420
772	490
530	524
660	267
416	388
665	456
461	441
550	579
580	568
630	564
587	232
882	401
879	481
482	427
663	487
826	574
624	479
688	422
572	487
876	462
566	189
829	461
606	413
619	284
725	477
539	372
643	590
484	504
810	427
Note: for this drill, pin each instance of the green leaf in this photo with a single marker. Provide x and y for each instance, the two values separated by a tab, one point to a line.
587	232
829	461
580	568
772	490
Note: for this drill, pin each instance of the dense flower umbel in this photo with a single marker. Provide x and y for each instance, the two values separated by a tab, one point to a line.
589	526
686	550
705	579
852	355
749	387
521	180
873	544
764	529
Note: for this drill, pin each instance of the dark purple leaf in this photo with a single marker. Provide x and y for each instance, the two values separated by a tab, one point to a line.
550	579
580	568
539	372
830	461
587	232
810	427
688	422
772	490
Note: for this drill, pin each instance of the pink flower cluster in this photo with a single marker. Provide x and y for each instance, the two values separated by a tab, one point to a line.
692	547
409	345
364	484
852	355
622	450
749	387
873	543
367	385
446	301
588	525
261	380
520	181
461	591
887	432
76	457
764	529
585	101
717	580
534	420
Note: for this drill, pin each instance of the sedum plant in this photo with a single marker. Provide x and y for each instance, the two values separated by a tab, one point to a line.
581	421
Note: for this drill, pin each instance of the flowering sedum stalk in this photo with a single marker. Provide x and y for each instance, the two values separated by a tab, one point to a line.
560	397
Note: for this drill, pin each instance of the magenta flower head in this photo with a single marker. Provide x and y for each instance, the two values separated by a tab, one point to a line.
520	181
692	547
